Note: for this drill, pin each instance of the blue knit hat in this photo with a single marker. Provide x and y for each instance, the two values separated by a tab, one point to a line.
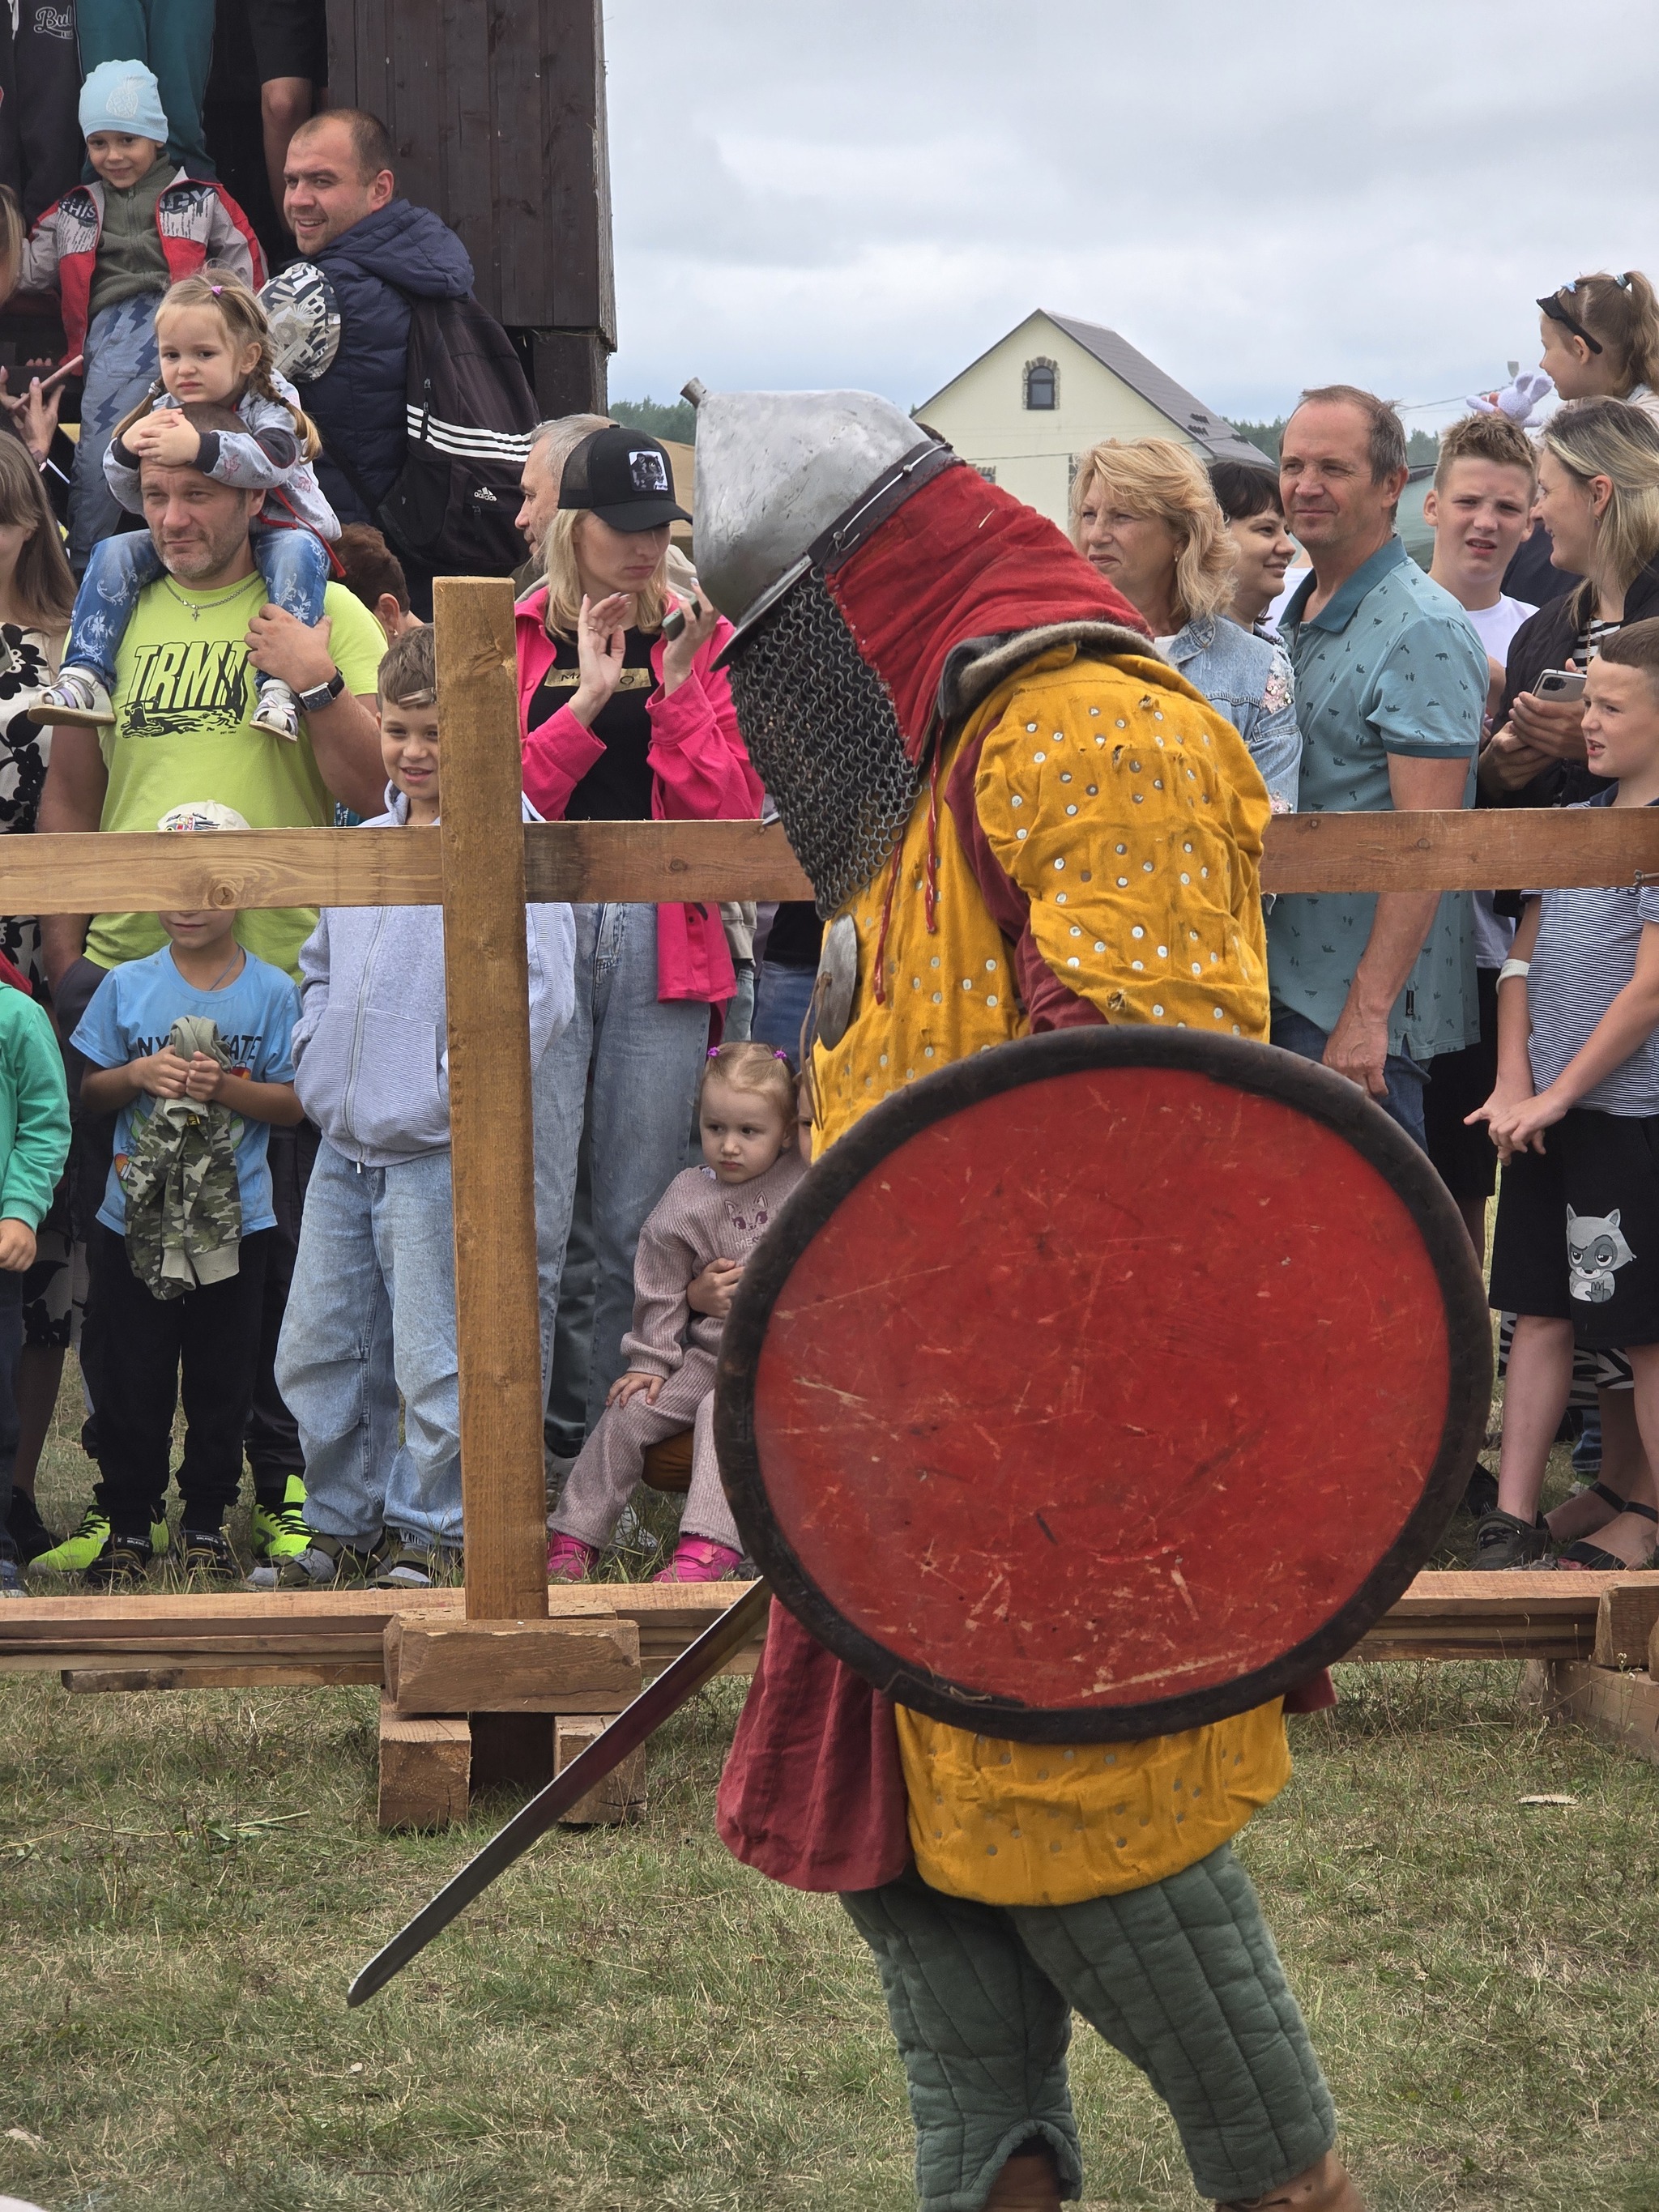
123	96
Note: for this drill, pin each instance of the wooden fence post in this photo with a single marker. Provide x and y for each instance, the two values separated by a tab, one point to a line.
486	974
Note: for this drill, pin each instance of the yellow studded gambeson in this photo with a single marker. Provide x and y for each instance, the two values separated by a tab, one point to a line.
1130	816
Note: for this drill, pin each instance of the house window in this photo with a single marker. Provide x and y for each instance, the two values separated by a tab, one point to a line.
987	470
1041	385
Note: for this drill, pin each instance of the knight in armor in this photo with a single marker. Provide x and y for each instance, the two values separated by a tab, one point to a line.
1015	817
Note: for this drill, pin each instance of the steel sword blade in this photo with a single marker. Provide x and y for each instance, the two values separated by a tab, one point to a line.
681	1679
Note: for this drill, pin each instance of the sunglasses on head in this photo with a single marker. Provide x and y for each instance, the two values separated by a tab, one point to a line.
1556	308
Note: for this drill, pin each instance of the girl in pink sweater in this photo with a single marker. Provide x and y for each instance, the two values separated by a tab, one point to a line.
712	1214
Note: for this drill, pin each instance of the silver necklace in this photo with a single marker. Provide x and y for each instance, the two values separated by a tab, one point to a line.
193	608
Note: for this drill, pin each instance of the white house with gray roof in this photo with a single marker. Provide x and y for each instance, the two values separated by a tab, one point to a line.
1027	410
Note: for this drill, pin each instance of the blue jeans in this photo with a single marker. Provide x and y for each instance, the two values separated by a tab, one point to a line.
1403	1076
642	1056
782	994
371	1315
292	562
121	362
11	1351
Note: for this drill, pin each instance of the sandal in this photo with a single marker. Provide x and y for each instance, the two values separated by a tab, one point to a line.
1592	1557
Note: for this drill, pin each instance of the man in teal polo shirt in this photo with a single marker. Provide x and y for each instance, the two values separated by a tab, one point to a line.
1390	688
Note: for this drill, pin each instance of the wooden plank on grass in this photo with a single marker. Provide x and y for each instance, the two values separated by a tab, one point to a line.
425	1770
227	1675
511	1666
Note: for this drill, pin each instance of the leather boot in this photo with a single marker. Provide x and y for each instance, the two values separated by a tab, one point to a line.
1323	2188
1027	2183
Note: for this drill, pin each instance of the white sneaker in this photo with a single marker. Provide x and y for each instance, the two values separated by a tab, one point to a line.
77	698
276	712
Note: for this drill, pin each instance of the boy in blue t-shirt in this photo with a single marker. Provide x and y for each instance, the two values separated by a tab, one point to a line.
1575	1117
205	1254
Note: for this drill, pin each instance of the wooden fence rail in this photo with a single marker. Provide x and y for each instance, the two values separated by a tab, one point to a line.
646	862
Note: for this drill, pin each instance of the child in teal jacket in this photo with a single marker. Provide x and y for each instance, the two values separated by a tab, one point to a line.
35	1138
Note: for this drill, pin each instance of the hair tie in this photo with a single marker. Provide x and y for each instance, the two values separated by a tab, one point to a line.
783	1056
216	289
714	1052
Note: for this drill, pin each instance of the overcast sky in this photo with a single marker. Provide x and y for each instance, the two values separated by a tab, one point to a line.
870	192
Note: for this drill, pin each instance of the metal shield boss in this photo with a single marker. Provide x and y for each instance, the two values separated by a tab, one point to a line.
1104	1384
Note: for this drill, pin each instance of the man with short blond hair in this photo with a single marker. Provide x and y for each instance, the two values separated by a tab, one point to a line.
1390	686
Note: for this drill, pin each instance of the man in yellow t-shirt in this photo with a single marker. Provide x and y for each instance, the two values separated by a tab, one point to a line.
183	698
185	679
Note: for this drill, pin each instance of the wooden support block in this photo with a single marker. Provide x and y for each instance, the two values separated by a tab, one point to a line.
1622	1708
426	1768
1625	1619
620	1796
448	1666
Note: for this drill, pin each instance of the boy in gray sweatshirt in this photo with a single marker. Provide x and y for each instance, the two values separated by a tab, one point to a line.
371	1316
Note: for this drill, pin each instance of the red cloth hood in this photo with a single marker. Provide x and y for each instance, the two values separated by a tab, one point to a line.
961	559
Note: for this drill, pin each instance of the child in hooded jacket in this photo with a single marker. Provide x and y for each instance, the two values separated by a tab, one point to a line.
371	1315
710	1217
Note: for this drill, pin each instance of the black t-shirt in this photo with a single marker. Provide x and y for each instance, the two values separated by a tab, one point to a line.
618	787
796	936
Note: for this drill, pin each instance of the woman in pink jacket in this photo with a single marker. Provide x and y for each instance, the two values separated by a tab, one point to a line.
623	724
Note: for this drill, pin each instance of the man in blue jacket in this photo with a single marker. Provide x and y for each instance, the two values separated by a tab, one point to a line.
340	200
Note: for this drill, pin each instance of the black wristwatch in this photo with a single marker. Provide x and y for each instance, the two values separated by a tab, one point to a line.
321	694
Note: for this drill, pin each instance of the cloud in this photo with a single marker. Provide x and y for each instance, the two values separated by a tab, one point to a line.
872	194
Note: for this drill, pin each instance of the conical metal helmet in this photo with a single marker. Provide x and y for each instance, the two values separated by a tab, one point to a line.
777	472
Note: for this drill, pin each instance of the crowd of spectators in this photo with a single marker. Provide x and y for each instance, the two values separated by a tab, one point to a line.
246	647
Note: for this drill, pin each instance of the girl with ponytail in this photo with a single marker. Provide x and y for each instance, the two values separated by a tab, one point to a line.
1601	337
214	348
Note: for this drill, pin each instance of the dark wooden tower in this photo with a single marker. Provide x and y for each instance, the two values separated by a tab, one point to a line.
496	108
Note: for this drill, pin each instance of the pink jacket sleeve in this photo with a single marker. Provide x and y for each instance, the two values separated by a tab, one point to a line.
557	754
701	764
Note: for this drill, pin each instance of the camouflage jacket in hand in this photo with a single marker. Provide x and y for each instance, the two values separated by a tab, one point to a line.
184	1203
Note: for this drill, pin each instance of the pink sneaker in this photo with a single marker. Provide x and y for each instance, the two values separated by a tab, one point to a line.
697	1559
569	1559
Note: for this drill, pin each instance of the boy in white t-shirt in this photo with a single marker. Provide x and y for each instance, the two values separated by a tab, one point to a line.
1479	509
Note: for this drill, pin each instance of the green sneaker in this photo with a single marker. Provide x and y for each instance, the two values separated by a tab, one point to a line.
280	1531
78	1549
83	1545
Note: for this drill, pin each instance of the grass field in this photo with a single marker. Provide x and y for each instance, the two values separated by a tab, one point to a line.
631	2021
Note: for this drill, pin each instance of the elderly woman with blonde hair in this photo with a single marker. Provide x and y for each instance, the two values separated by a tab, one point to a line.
1144	513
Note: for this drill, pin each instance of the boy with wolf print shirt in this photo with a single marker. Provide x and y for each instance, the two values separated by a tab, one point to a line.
1575	1116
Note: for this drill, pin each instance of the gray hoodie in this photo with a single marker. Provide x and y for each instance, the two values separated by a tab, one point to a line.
371	1060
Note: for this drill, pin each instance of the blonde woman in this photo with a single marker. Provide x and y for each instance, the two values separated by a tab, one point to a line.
623	723
1144	513
1598	492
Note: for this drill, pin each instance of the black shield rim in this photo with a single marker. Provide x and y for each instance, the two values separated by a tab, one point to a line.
1237	1064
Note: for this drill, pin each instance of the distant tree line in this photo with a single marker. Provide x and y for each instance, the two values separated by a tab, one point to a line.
677	422
1422	446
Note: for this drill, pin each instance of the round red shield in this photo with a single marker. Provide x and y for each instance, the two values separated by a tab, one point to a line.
1105	1383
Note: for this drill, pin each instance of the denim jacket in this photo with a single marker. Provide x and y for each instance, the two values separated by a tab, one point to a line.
1250	682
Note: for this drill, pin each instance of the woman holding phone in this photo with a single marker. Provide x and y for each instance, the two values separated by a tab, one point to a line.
1598	482
623	721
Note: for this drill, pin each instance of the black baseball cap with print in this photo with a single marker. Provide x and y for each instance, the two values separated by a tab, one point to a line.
622	476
